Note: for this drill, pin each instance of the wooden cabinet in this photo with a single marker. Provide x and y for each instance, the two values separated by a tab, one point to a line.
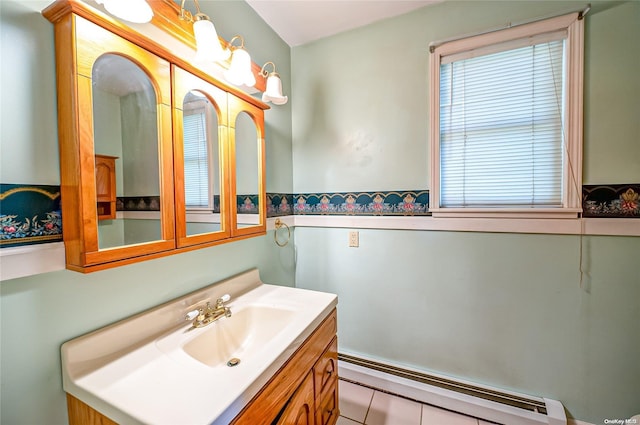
234	166
300	408
325	374
304	391
316	361
86	53
106	186
115	90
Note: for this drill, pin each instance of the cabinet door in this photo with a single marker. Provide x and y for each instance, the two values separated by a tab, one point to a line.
325	370
300	408
117	102
201	149
325	374
106	186
247	168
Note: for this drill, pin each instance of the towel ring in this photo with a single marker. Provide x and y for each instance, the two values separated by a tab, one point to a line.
279	223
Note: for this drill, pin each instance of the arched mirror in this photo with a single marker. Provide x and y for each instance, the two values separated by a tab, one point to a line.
200	152
248	170
125	124
202	164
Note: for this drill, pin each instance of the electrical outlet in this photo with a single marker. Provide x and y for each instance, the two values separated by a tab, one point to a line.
354	240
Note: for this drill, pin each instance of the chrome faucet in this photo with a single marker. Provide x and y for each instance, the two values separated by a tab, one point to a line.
205	315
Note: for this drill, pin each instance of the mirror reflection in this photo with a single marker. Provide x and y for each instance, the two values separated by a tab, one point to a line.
201	164
125	126
247	171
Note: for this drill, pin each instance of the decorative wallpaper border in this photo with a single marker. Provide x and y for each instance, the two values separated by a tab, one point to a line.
611	201
413	202
409	202
29	214
279	204
247	204
138	203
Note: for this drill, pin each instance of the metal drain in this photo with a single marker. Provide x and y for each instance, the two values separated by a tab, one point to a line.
233	362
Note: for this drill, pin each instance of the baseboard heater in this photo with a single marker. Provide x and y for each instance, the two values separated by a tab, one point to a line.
483	402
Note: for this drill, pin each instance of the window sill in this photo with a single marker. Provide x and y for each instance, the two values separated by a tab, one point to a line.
510	213
563	226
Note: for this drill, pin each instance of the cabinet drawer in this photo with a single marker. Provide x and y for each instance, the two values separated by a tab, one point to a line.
327	411
325	371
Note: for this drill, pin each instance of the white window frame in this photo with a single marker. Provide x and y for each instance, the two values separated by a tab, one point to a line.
199	108
573	24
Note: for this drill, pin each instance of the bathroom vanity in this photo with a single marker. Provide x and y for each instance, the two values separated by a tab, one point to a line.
273	361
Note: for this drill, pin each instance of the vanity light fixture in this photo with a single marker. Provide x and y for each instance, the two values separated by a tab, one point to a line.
239	72
136	11
208	47
273	93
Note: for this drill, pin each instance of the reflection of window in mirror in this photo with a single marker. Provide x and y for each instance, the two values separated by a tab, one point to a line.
200	153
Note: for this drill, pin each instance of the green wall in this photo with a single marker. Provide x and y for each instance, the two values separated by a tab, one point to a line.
360	121
612	95
39	313
503	309
28	134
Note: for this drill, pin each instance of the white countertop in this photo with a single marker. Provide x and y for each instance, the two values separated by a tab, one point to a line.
136	372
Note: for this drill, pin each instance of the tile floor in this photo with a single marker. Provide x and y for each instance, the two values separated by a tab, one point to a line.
362	405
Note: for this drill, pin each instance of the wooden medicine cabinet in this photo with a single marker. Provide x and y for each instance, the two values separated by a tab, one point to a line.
106	186
190	149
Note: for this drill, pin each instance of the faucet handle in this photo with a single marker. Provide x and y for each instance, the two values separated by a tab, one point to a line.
192	314
223	299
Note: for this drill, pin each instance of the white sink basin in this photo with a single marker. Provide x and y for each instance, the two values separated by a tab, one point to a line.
154	368
246	333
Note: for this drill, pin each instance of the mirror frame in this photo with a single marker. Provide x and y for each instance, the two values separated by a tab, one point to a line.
236	106
183	83
92	42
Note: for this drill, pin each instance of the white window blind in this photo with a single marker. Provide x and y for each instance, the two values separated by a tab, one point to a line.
501	127
196	166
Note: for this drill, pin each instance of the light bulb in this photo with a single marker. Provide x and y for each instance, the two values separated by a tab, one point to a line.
208	48
273	93
239	72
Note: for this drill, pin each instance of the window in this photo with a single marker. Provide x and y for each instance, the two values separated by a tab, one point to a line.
196	160
506	122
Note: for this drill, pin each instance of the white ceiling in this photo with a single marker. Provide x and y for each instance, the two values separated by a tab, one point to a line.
301	21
